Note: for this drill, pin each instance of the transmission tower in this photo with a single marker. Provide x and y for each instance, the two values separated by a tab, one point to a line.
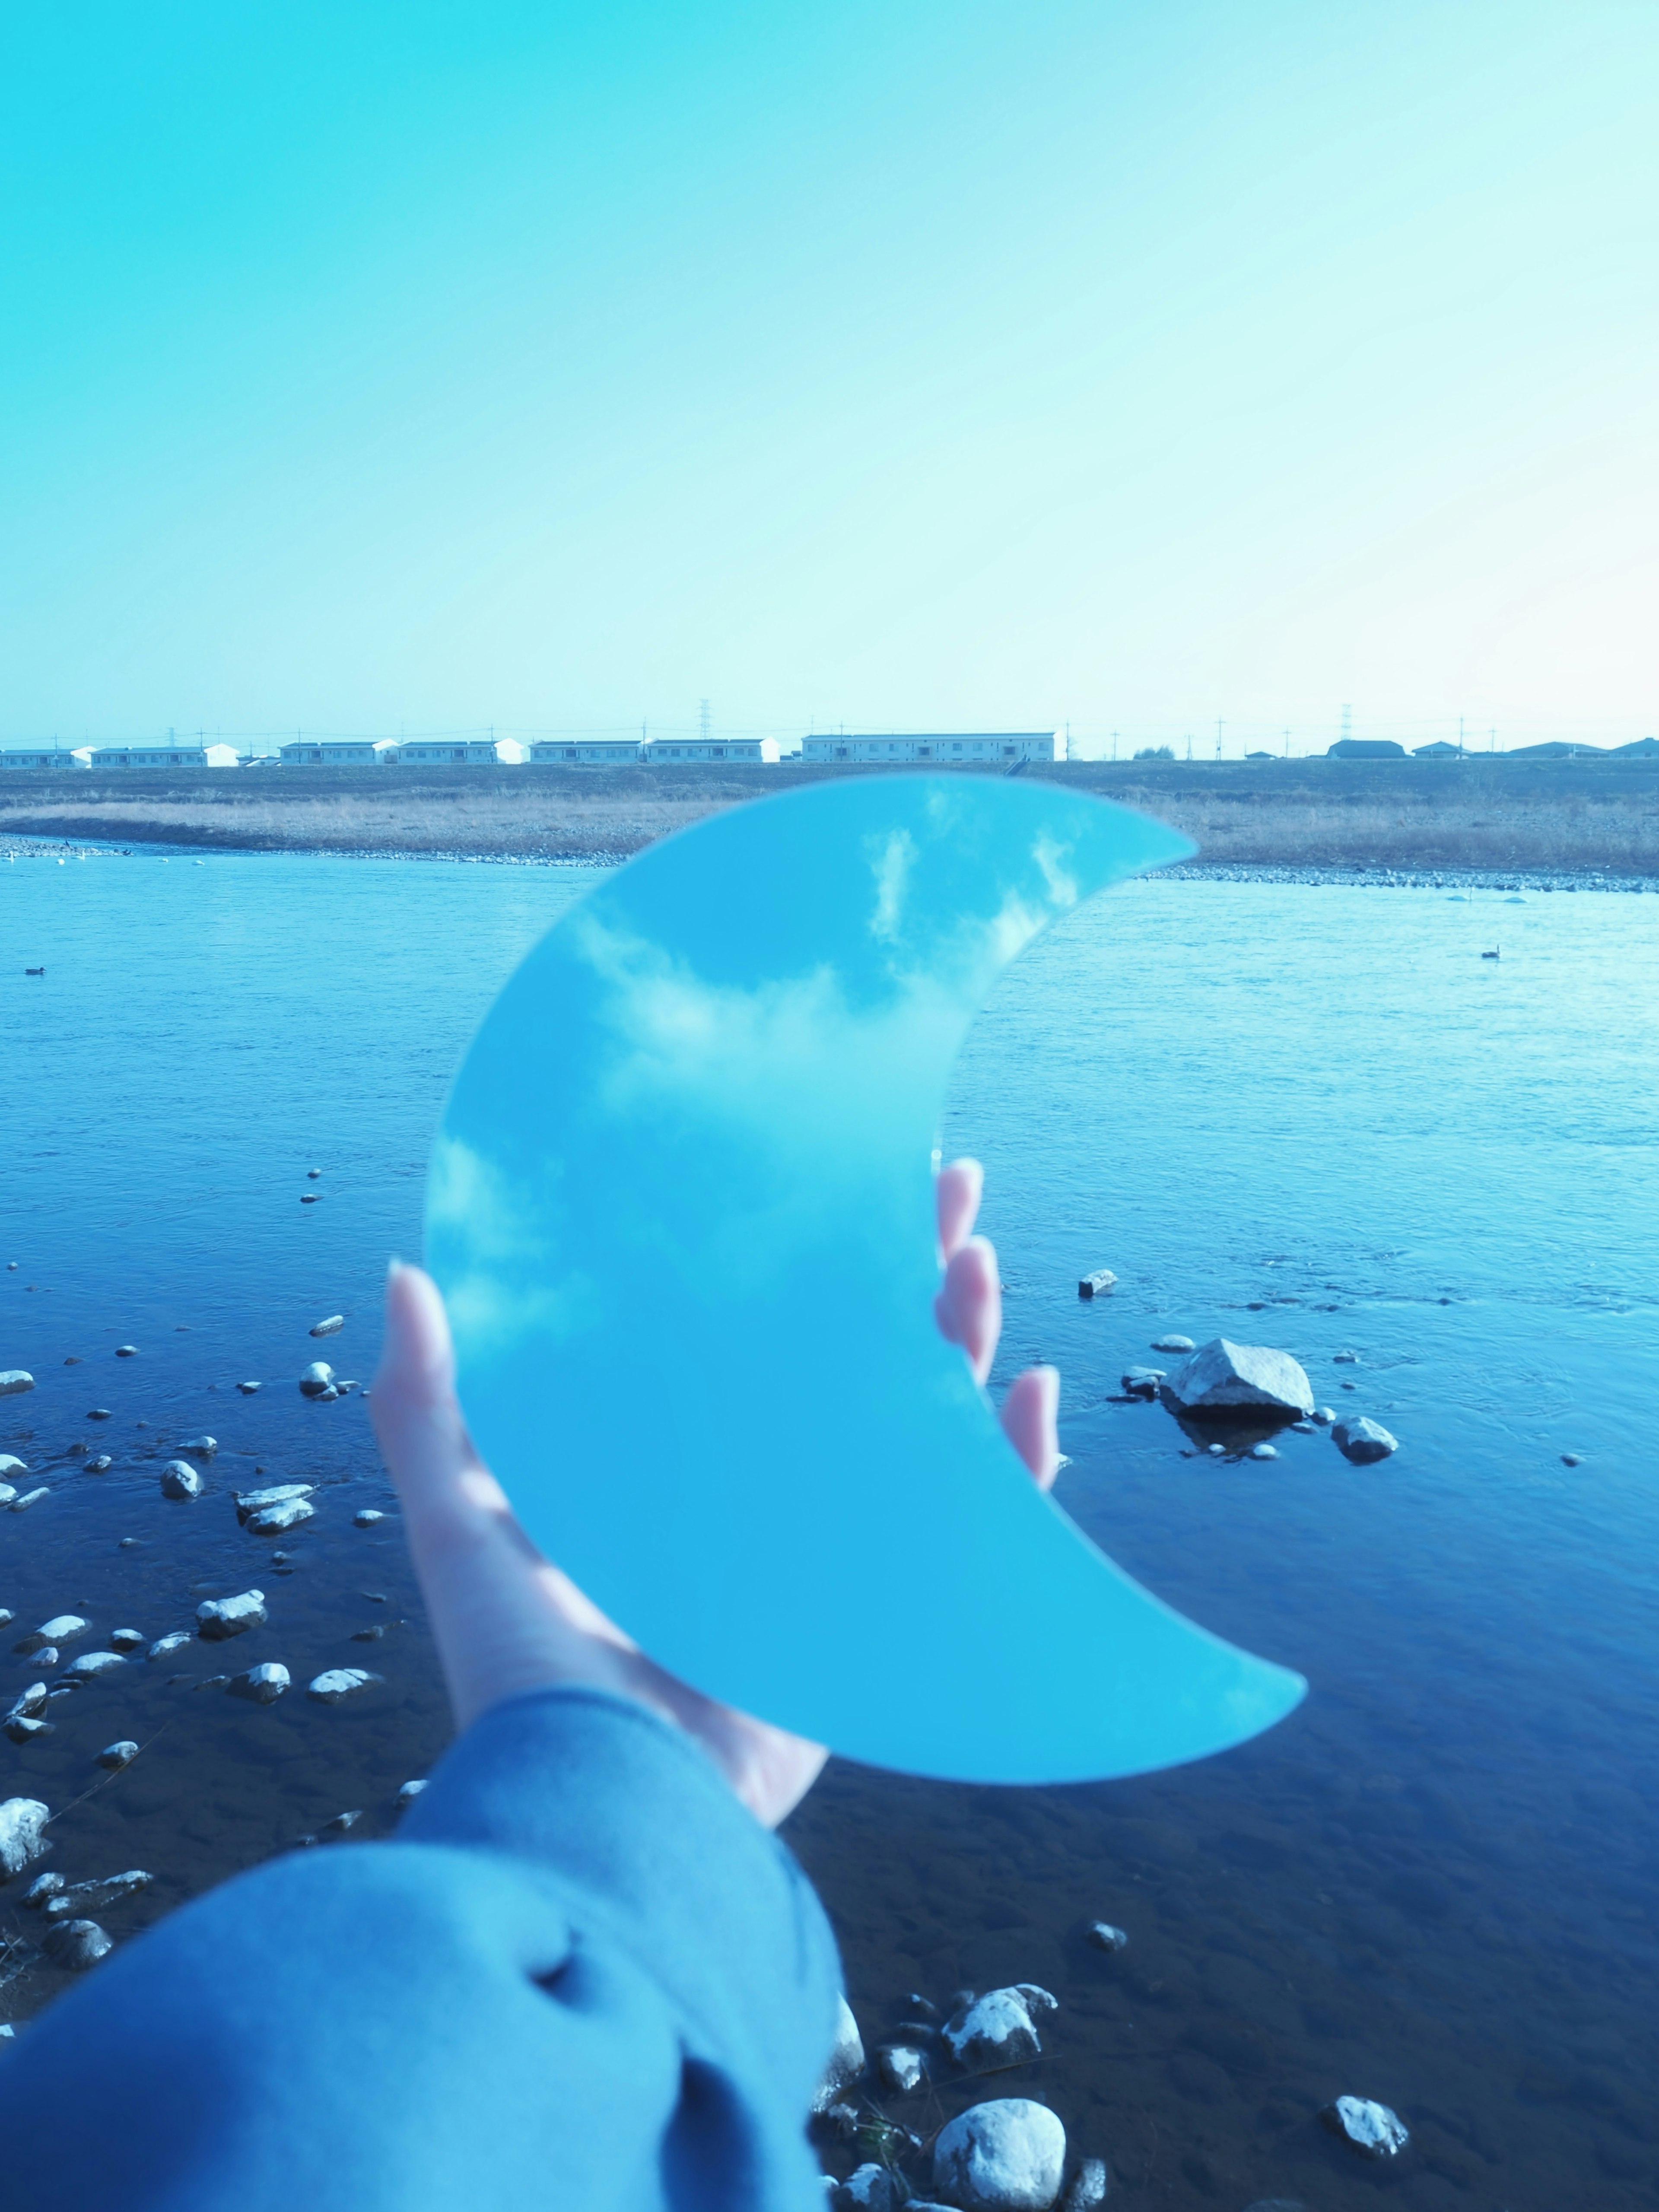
702	720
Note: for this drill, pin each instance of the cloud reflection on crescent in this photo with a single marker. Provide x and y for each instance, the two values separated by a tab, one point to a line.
681	1207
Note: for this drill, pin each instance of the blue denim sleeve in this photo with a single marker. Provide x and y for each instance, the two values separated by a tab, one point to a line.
582	1976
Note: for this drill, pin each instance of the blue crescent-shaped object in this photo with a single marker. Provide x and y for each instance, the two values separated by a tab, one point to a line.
681	1208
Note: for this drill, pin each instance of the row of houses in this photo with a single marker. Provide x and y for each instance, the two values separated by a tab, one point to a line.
554	753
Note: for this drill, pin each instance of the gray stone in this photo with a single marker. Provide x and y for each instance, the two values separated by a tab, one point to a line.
1573	1459
10	1464
1173	1344
1264	1451
126	1352
1375	2130
46	1656
250	1502
1142	1381
337	1682
62	1628
91	1664
1105	1937
172	1642
201	1447
846	2060
99	1413
366	1517
278	1519
44	1886
264	1685
21	1819
331	1327
14	1379
900	2067
1221	1375
1324	1415
100	1463
318	1378
7	1494
247	1390
1345	1359
21	1728
869	2189
1363	1442
409	1792
87	1896
115	1756
341	1824
29	1498
1089	2186
999	2028
179	1479
1006	2155
28	1702
125	1639
1097	1285
223	1617
76	1944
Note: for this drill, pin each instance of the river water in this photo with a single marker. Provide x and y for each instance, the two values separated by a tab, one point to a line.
1309	1116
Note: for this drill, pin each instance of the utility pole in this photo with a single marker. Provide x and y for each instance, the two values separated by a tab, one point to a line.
1189	745
1347	724
1460	733
1287	745
1114	744
703	722
1218	736
1068	741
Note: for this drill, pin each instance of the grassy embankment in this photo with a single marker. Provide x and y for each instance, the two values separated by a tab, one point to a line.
1492	813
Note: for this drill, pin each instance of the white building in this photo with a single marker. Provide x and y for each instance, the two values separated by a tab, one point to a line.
585	752
48	756
961	750
170	755
340	752
461	752
710	749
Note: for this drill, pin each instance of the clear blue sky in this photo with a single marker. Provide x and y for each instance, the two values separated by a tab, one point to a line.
976	366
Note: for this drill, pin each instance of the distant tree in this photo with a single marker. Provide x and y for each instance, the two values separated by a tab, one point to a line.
1156	752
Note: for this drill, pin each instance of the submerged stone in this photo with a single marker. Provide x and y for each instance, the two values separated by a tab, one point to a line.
115	1756
1221	1376
223	1617
1363	1442
181	1480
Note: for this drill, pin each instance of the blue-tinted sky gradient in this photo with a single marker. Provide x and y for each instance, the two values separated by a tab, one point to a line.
980	366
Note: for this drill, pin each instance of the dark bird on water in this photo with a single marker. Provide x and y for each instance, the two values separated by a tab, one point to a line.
34	972
1490	956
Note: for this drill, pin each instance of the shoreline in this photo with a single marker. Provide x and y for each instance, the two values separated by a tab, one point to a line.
1360	875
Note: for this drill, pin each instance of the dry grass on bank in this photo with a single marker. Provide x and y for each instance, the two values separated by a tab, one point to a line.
1490	829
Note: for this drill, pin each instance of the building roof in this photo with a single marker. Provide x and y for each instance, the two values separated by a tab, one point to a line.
1365	749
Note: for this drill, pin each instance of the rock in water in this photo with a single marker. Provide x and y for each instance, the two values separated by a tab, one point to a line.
1324	1415
846	2060
1105	1937
1142	1381
126	1352
340	1682
76	1944
60	1903
201	1447
62	1628
901	2069
999	2028
1097	1286
7	1494
1221	1375
1363	1442
1090	2185
870	2189
250	1502
125	1639
222	1617
1372	2128
91	1664
23	1727
278	1519
1264	1451
163	1644
367	1518
317	1379
21	1819
263	1684
28	1703
29	1498
341	1824
100	1464
11	1465
1173	1344
115	1756
179	1479
247	1390
14	1379
409	1792
1004	2156
331	1327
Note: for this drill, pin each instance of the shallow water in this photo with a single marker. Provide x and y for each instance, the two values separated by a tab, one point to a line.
1312	1117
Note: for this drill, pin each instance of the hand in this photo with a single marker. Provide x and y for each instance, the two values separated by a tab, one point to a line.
505	1619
